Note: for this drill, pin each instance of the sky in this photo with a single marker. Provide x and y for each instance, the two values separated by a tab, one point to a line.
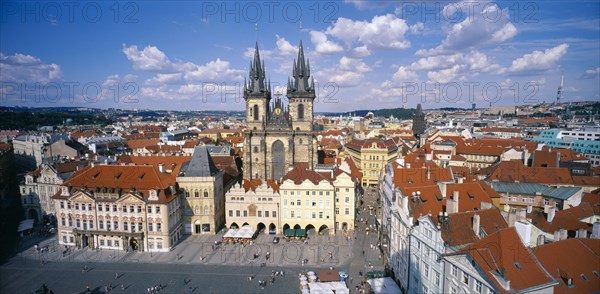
188	55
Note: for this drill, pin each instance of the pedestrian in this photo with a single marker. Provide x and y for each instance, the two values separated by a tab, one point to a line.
123	287
363	253
190	290
351	280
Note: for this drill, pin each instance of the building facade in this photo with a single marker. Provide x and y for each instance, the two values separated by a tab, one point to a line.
278	136
204	201
119	207
371	156
255	203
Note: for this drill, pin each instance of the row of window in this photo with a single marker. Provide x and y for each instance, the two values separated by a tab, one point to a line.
128	227
107	207
466	280
260	213
197	194
308	214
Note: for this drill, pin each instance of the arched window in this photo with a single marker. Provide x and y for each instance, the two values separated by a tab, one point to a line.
300	141
206	209
300	111
255	112
197	210
255	149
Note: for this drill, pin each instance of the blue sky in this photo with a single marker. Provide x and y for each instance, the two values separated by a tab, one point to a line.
185	55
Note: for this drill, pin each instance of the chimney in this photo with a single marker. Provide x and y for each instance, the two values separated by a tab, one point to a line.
428	174
582	233
596	230
551	213
485	205
455	197
408	165
557	159
404	202
161	168
443	188
541	240
461	180
525	156
556	236
563	234
529	208
429	156
93	164
476	223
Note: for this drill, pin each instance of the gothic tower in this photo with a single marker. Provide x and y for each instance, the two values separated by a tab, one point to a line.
278	135
257	94
418	126
300	94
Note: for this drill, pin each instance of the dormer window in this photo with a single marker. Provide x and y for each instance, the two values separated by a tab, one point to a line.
153	195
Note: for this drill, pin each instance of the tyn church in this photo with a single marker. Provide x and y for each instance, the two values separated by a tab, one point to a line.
278	136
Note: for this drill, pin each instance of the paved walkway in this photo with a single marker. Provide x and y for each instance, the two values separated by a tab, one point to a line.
199	250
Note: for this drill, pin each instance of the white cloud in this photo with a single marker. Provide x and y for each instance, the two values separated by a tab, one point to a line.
590	73
148	59
285	47
353	64
168	78
404	74
214	71
322	45
445	75
348	72
23	68
538	60
486	24
383	31
361	51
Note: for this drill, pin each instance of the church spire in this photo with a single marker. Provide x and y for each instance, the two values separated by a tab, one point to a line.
257	73
300	72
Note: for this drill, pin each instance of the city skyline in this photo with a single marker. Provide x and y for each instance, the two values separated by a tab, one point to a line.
362	54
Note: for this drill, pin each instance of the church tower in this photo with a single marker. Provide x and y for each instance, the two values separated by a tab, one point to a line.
257	94
278	136
301	94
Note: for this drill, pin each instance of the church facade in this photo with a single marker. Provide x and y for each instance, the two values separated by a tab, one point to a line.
278	136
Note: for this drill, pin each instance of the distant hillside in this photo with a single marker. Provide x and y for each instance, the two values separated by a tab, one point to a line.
399	113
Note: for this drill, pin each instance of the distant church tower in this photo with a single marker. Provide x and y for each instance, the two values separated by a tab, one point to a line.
418	126
278	136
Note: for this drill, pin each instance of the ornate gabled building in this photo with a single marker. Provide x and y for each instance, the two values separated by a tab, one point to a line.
119	207
278	136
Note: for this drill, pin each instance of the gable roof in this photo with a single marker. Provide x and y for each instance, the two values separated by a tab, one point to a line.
201	165
459	229
572	258
503	254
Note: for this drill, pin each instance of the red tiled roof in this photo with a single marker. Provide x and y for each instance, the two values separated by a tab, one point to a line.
406	177
499	130
173	163
142	178
561	221
459	229
254	183
511	171
358	144
500	252
431	201
142	143
572	258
